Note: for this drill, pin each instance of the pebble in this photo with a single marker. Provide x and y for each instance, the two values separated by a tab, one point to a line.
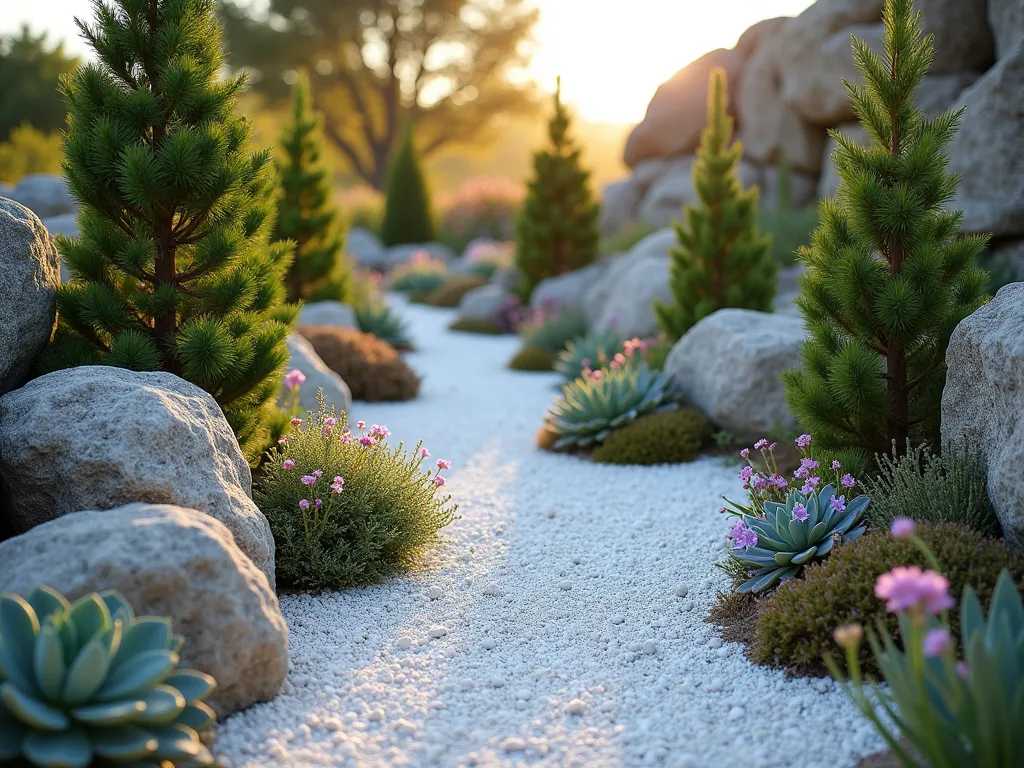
682	590
405	643
715	642
565	585
494	590
617	618
436	632
496	682
551	513
405	727
513	744
635	647
649	647
489	644
576	707
717	684
577	559
736	713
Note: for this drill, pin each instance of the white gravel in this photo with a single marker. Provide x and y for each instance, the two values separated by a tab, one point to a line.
561	623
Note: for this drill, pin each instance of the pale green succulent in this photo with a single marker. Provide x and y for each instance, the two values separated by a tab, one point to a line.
793	534
384	323
592	406
594	351
89	684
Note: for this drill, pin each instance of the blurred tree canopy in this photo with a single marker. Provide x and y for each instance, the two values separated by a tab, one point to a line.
376	64
29	72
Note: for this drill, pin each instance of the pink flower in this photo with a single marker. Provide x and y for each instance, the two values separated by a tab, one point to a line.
745	474
366	441
810	485
761	444
907	588
444	464
806	465
779	482
937	642
838	504
318	474
596	375
319	503
804	441
296	421
742	537
902	527
304	504
424	452
294	379
379	430
289	463
585	362
345	437
835	465
759	483
848	481
799	512
745	453
329	421
440	480
961	669
282	440
361	425
308	479
338	484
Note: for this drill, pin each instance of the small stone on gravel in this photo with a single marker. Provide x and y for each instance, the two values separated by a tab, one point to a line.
717	684
682	590
576	707
405	643
513	744
649	648
565	585
617	618
434	593
436	632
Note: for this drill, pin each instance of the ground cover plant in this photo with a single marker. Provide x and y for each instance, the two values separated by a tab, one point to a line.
531	358
373	370
421	275
668	437
377	318
487	257
347	508
451	291
484	325
593	350
551	326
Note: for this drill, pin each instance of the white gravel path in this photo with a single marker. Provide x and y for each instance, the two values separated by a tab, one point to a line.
560	624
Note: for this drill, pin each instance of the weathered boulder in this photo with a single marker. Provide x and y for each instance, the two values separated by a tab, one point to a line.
365	248
729	366
65	224
678	112
318	376
963	37
619	203
983	400
97	437
568	288
1007	260
167	561
987	150
328	313
1006	17
674	189
482	303
803	188
29	277
44	194
760	34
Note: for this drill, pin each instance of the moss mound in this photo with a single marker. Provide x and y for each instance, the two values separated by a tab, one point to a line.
546	438
668	437
795	624
373	369
477	325
530	358
450	293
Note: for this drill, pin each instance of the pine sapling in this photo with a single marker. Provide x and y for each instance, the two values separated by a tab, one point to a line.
721	260
173	270
557	229
306	214
408	213
888	274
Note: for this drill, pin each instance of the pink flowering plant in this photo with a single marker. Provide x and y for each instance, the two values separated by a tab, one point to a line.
482	207
421	274
944	707
484	257
605	350
347	507
551	325
790	523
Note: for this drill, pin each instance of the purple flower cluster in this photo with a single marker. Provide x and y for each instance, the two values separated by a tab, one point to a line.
742	537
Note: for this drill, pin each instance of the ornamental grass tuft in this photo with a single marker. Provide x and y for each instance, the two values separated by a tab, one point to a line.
347	508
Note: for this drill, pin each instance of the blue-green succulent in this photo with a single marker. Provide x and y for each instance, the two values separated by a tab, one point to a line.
383	322
592	406
89	684
594	351
794	533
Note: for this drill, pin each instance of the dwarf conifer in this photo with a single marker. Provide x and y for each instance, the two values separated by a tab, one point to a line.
408	214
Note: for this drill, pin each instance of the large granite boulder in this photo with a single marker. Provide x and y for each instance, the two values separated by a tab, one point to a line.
29	277
983	400
167	561
568	288
44	194
987	150
673	189
1006	17
365	249
482	303
759	34
619	202
963	37
328	313
678	112
98	437
729	366
302	357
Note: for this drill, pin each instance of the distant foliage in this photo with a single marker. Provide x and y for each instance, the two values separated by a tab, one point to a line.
551	326
486	257
481	207
373	370
669	437
529	358
306	213
30	71
950	488
451	291
362	207
557	229
380	320
789	230
624	240
421	274
347	508
486	326
721	259
29	150
408	213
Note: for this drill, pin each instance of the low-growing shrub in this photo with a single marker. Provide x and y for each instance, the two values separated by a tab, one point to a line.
380	320
551	326
477	325
373	369
591	351
669	437
530	358
421	274
487	257
940	489
348	509
451	291
88	680
795	624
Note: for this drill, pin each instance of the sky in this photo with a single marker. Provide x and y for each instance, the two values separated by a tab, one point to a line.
611	62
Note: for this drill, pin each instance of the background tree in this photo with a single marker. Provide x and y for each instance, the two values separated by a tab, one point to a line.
173	270
721	260
375	65
889	275
408	214
306	214
30	72
557	229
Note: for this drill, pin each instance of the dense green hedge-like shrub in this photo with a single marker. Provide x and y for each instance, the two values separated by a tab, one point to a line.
530	358
451	291
346	508
477	325
940	489
373	370
795	624
669	437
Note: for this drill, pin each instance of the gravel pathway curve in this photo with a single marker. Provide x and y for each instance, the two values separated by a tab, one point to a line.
561	622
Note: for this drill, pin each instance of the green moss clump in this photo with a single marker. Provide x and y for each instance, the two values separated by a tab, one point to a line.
451	291
477	325
795	624
531	358
669	437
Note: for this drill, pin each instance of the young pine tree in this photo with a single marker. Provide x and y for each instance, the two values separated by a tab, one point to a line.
408	214
721	260
305	212
173	270
557	228
889	275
